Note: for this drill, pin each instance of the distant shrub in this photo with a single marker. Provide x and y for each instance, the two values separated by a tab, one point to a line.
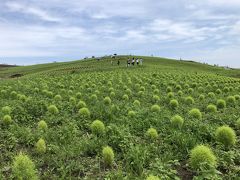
81	104
178	87
238	124
226	136
156	98
211	108
169	89
41	146
131	114
226	90
237	97
156	91
195	113
170	95
97	127
231	100
177	121
201	97
53	109
136	103
78	95
189	100
155	108
7	119
140	93
6	110
84	112
218	91
152	133
112	94
221	104
128	92
125	97
72	100
151	177
93	97
180	93
107	101
190	90
23	168
211	95
58	97
42	125
202	157
174	104
108	156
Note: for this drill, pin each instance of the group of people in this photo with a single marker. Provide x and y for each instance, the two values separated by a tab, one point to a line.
138	61
133	61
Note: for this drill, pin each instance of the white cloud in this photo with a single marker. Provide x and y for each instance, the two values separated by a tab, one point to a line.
30	10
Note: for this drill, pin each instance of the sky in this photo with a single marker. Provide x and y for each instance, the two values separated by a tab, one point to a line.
40	31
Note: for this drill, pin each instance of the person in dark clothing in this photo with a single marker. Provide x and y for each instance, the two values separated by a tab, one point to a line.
118	62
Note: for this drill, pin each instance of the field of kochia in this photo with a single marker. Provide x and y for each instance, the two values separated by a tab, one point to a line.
155	121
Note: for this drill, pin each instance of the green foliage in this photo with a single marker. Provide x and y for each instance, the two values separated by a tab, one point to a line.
108	156
53	109
7	119
177	121
42	125
97	127
137	103
107	101
152	133
23	168
195	113
131	114
211	108
81	104
221	104
84	112
202	157
6	110
174	104
155	108
189	100
151	177
238	124
226	136
41	146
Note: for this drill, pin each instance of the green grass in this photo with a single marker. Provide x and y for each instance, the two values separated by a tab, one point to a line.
68	97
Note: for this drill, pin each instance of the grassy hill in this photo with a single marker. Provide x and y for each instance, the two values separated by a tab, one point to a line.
105	64
90	119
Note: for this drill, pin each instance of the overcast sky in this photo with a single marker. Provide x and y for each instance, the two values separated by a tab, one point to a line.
39	31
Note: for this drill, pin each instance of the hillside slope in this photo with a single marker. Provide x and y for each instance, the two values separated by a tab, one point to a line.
105	64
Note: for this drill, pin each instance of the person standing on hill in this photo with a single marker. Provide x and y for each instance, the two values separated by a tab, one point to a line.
133	61
128	62
118	62
141	61
137	61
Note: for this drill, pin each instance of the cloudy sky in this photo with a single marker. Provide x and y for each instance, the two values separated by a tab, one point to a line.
39	31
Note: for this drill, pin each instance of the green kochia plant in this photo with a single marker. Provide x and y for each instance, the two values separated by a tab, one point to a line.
84	112
108	156
41	146
152	133
211	108
226	136
23	168
202	157
7	119
97	127
155	108
195	113
151	177
53	109
174	104
42	125
221	104
107	101
177	121
6	110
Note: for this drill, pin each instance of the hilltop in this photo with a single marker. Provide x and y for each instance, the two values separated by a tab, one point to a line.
91	64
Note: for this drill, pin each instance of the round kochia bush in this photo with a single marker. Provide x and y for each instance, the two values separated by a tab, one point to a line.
211	108
195	113
53	109
151	177
97	127
189	100
226	136
177	121
131	114
202	157
107	101
81	104
136	103
152	133
84	112
108	156
7	119
174	104
42	125
221	104
41	146
23	168
231	100
155	108
6	110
